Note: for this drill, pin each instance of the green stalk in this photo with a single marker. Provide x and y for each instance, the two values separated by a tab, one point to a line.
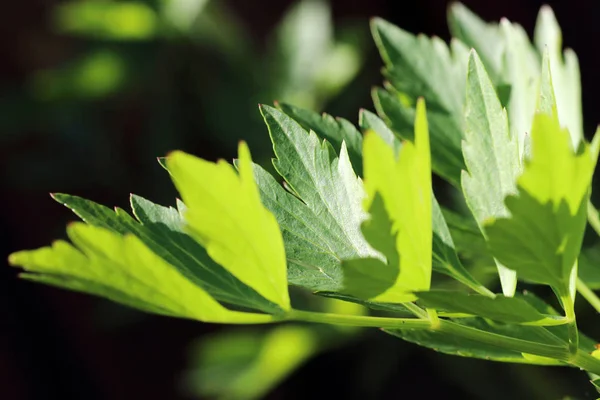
566	354
359	320
593	217
588	294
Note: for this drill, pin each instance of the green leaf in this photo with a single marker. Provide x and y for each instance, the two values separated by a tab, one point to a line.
123	269
491	154
328	213
459	346
485	38
565	73
367	278
522	71
335	130
224	213
161	230
500	308
404	185
445	260
446	158
248	364
312	249
542	238
419	66
369	121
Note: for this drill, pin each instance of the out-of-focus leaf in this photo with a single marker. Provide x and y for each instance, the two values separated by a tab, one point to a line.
126	20
248	364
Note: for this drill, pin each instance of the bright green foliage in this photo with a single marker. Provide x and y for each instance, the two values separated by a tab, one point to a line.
491	154
161	230
225	214
246	364
356	218
542	239
123	269
405	189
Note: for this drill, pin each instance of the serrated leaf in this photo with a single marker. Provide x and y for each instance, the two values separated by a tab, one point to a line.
500	308
371	122
486	38
565	73
225	214
446	158
419	66
491	154
542	238
324	206
522	71
123	269
161	230
335	130
311	248
404	184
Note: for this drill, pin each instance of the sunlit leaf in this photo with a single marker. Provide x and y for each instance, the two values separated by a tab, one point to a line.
491	154
123	269
404	186
225	214
161	230
542	238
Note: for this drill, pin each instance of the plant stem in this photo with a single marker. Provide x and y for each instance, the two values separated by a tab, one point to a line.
593	217
576	358
358	320
588	294
569	307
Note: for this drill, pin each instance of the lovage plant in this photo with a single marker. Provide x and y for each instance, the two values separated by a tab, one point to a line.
356	218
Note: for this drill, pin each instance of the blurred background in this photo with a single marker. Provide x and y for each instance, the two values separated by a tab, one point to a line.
92	91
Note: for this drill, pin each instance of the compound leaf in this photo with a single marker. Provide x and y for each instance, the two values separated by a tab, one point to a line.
123	269
161	230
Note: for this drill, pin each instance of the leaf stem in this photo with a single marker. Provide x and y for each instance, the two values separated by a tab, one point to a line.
565	354
359	320
593	217
588	294
569	307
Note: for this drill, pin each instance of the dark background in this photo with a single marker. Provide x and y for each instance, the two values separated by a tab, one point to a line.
57	344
